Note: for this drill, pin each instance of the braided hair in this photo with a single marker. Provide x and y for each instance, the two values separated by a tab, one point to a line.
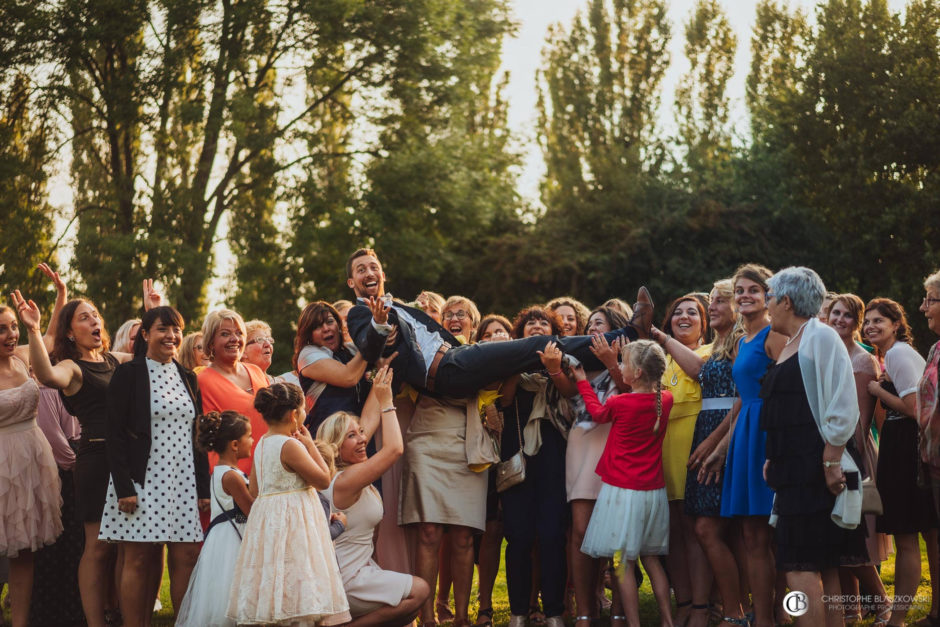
215	430
650	359
275	402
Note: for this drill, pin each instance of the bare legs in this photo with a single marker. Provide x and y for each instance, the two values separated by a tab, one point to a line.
137	582
584	568
630	594
906	574
709	531
397	615
488	568
426	564
21	587
95	575
760	568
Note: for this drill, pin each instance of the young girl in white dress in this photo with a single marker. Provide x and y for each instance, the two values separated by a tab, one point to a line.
229	435
631	516
286	573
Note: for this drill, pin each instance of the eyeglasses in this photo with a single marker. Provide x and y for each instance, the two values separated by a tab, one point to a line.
261	340
928	302
771	295
459	314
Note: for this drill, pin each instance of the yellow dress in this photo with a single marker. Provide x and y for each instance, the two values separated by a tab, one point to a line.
687	402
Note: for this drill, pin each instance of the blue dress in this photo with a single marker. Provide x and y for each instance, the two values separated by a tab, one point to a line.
715	378
744	491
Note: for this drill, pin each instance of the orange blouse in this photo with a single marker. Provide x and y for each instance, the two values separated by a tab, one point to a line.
220	394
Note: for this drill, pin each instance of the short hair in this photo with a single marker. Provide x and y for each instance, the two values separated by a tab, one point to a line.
933	281
856	308
895	312
165	314
188	350
275	401
487	321
123	335
802	286
535	312
256	325
313	316
456	301
359	252
211	325
581	312
615	319
434	300
753	272
332	431
667	319
215	430
343	304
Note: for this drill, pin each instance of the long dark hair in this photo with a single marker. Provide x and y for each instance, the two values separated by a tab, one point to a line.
703	316
895	313
64	348
314	315
165	314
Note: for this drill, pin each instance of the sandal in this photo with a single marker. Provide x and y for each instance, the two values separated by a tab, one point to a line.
536	616
444	615
742	622
589	620
484	618
680	605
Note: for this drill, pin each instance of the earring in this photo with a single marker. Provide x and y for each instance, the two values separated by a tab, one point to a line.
71	339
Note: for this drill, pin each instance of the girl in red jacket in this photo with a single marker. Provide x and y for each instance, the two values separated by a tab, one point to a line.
632	513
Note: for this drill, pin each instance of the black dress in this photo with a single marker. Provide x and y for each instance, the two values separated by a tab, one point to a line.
807	539
908	507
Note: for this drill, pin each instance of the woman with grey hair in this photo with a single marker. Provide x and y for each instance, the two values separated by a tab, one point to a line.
810	413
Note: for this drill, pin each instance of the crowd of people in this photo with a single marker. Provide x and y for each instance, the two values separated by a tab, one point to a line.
767	436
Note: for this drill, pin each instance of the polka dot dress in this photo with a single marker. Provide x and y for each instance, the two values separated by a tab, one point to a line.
166	503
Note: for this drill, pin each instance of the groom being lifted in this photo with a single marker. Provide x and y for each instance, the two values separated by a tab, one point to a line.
430	358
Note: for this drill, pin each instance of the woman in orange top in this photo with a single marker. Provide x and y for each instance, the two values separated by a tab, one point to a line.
228	382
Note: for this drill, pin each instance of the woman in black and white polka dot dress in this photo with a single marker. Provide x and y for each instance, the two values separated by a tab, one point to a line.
157	477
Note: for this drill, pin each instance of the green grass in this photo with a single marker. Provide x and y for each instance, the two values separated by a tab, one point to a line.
649	614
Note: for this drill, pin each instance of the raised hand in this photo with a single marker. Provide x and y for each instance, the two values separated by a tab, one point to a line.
60	286
303	435
382	386
551	357
152	298
379	310
606	353
28	311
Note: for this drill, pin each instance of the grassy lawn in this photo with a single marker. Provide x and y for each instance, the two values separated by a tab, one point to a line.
648	612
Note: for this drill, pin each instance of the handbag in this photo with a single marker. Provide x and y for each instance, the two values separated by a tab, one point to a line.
512	471
871	499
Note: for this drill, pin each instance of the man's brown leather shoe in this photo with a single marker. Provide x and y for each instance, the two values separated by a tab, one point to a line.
642	319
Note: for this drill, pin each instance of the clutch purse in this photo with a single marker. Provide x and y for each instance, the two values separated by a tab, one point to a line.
512	471
871	499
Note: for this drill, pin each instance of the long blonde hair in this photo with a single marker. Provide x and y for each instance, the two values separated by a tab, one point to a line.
724	347
650	359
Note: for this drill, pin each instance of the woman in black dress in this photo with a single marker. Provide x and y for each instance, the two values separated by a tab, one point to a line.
810	413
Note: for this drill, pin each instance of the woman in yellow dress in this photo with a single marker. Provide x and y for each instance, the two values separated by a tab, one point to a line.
685	328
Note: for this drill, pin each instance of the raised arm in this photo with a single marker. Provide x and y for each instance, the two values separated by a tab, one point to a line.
350	483
599	413
61	297
302	456
690	361
338	374
65	375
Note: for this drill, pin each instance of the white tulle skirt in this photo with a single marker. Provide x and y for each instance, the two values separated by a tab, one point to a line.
631	522
210	585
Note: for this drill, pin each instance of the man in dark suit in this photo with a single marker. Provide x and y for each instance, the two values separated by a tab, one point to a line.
430	358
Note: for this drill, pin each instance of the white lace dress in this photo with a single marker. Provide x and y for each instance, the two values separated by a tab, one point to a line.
286	572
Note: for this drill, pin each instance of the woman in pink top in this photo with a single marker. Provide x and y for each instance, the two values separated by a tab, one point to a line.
632	511
228	382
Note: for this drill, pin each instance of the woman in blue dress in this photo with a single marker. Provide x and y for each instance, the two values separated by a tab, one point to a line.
744	493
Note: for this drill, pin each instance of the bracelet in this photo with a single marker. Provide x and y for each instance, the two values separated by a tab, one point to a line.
829	464
388	409
552	374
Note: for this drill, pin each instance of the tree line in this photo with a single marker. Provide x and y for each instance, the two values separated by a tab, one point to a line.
302	129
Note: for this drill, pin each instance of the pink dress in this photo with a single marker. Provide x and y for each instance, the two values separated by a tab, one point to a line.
30	491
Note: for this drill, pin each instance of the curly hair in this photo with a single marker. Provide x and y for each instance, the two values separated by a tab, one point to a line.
215	430
581	312
535	312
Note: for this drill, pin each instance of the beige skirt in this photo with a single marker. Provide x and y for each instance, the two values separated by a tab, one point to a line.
436	484
585	447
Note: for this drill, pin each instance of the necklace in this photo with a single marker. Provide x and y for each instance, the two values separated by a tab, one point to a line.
797	334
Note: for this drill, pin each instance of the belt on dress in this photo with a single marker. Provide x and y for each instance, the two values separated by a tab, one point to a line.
721	402
435	362
284	492
16	427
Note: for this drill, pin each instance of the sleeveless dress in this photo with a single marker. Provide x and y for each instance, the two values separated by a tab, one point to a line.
167	502
89	405
30	499
286	573
744	491
806	537
368	587
207	595
717	389
687	398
